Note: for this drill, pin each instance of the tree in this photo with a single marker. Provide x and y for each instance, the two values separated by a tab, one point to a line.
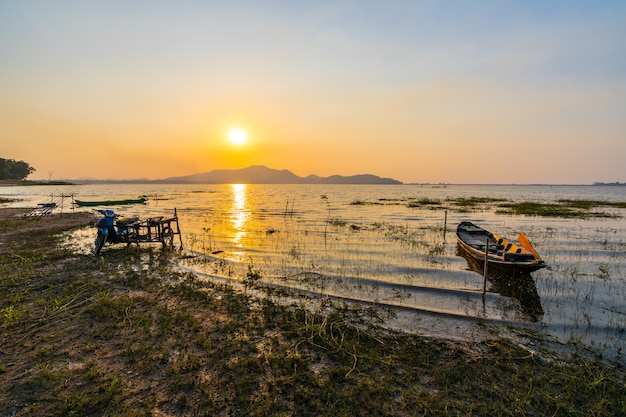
11	169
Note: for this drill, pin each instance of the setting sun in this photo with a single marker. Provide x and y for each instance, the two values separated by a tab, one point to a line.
237	136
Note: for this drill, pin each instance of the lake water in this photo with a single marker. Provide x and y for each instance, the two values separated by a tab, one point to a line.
386	246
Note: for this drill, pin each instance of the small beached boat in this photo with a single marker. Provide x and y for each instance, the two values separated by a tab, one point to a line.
82	203
501	253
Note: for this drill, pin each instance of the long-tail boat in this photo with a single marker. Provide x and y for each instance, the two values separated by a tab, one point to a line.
499	252
83	203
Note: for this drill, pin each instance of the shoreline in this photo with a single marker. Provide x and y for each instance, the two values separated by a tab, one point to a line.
127	334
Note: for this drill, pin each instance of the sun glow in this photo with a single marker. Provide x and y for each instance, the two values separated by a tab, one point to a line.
237	136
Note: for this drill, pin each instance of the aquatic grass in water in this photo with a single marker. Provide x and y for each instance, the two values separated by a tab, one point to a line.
425	202
468	204
411	265
385	254
584	291
358	266
589	204
530	208
562	208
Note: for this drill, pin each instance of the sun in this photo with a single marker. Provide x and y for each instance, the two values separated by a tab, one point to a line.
237	136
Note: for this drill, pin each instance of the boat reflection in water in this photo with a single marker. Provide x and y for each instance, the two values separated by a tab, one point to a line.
519	286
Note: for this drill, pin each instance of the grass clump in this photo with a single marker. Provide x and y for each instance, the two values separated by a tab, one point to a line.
590	204
465	205
529	208
424	202
336	221
359	203
561	208
127	334
475	201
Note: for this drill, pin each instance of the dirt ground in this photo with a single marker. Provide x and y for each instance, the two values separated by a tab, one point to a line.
24	225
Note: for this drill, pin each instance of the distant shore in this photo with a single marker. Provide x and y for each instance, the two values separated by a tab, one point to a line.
33	182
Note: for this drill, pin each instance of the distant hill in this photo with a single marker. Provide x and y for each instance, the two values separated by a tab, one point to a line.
262	175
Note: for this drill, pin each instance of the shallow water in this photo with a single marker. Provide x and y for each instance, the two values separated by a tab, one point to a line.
366	244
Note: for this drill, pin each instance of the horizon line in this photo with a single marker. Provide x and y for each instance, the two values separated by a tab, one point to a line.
165	181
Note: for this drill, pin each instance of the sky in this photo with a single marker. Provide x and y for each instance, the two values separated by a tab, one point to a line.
452	91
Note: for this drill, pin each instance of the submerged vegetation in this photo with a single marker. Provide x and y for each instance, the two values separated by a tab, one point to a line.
128	334
561	208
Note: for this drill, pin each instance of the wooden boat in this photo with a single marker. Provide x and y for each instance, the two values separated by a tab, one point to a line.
82	203
500	253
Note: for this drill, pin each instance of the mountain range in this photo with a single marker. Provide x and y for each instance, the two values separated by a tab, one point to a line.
263	175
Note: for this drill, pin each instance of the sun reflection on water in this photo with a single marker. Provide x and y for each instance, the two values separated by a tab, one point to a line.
239	213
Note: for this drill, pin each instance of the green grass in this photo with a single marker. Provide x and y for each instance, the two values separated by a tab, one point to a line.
589	204
475	201
529	208
561	208
424	202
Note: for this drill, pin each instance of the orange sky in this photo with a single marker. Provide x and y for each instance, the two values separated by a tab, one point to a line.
418	91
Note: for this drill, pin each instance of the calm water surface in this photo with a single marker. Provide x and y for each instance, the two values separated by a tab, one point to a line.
367	244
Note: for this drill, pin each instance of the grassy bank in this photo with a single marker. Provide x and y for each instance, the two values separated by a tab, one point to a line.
125	334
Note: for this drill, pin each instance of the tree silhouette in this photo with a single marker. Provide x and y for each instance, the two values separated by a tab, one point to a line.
11	169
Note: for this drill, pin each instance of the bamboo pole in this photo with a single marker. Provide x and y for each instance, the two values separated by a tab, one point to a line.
180	236
486	265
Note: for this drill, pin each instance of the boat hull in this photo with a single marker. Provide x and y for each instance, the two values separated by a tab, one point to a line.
500	253
83	203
